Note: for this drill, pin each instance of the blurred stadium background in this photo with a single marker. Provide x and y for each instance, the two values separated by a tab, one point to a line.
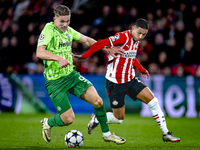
170	52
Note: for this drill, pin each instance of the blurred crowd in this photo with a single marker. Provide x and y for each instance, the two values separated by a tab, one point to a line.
170	47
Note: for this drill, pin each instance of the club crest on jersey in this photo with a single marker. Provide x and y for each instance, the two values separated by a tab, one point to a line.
68	36
41	37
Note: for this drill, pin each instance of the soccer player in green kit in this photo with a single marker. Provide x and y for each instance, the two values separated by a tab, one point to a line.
54	47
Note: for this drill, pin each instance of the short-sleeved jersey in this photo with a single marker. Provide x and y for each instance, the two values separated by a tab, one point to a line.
58	43
121	69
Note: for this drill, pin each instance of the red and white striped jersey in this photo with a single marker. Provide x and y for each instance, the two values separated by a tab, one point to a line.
120	70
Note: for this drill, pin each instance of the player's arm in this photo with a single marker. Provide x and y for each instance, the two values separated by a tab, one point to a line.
42	53
95	47
143	71
87	41
113	51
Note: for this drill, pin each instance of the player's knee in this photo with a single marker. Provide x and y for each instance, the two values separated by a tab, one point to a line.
98	102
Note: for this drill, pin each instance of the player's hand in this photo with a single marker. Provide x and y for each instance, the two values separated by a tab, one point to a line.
146	74
114	51
77	56
63	62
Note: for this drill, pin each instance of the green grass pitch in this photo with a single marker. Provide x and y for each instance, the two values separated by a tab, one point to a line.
24	132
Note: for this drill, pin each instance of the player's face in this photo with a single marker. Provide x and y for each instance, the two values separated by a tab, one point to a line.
62	22
138	33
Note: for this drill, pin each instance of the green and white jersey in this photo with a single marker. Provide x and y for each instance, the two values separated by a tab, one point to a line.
58	43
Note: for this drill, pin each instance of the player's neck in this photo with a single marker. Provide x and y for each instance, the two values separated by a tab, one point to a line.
132	36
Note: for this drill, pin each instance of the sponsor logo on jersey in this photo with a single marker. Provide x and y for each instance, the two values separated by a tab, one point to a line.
67	43
130	54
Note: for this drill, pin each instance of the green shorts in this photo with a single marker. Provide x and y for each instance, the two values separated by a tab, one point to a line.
59	90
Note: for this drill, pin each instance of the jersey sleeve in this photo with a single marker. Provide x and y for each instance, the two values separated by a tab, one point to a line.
118	39
76	34
139	66
95	47
45	36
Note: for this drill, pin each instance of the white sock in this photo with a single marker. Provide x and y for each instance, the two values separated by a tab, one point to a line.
110	118
46	123
106	134
158	114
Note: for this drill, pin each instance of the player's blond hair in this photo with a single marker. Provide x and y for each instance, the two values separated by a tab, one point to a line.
61	10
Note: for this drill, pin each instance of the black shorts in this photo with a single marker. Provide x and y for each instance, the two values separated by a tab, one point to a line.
117	92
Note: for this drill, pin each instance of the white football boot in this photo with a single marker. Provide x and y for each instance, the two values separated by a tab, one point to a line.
92	124
113	138
169	137
46	130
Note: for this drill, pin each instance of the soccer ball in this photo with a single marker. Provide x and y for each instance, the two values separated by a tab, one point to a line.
74	139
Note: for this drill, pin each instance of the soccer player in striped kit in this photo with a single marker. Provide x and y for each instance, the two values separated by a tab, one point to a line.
121	78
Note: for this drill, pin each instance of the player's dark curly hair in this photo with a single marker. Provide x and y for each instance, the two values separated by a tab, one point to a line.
61	10
142	23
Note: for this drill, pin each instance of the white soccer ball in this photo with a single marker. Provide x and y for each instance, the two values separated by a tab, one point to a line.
74	139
